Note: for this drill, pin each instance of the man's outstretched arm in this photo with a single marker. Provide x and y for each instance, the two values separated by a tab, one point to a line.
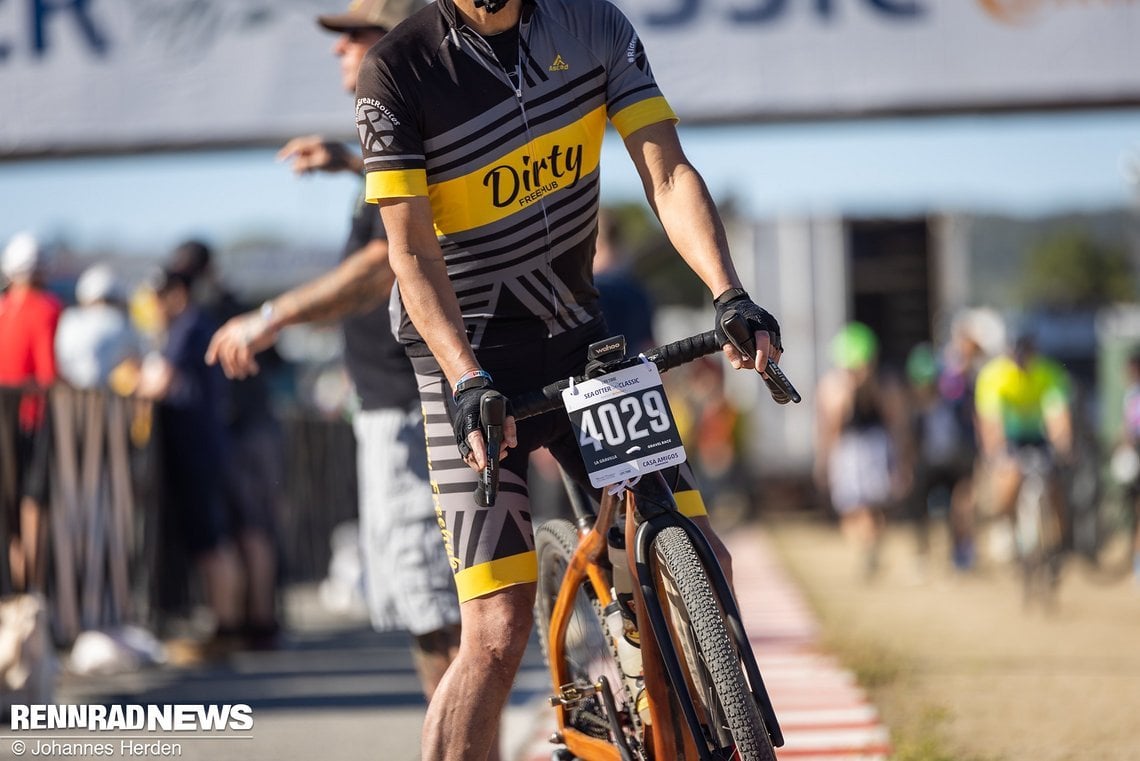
681	201
359	283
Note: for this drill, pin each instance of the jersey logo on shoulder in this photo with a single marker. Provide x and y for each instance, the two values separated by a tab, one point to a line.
375	124
559	64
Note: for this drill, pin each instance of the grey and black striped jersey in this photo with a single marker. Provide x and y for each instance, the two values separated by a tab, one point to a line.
512	173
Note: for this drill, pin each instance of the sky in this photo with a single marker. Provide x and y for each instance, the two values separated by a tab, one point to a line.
1019	164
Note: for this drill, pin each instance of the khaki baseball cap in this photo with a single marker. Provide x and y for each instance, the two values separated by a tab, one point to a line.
371	14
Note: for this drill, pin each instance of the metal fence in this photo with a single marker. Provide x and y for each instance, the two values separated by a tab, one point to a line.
110	559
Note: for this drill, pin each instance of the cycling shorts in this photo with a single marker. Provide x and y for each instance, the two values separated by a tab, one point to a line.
493	548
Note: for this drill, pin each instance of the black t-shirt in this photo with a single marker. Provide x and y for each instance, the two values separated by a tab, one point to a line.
377	364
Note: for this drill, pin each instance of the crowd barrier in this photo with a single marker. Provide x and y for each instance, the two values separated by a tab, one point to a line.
109	561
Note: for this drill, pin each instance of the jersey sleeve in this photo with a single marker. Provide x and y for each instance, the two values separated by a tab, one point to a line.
390	141
633	99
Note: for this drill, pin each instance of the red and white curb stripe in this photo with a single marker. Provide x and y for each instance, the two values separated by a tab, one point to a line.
824	714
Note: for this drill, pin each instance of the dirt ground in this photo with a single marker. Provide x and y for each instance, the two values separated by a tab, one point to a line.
959	669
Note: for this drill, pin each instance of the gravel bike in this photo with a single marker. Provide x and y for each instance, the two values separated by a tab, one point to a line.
1037	526
648	656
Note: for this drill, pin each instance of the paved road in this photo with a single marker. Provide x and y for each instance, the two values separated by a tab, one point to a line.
336	690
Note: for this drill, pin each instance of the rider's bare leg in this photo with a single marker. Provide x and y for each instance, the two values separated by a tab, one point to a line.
463	717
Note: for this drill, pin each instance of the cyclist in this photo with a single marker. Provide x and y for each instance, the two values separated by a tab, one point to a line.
1022	400
481	124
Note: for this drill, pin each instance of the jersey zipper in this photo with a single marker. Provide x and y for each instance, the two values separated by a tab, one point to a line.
480	43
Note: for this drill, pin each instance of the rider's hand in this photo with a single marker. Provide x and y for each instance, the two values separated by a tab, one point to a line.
467	425
238	341
313	153
765	330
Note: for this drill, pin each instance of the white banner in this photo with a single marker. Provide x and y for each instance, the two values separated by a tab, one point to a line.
79	75
737	59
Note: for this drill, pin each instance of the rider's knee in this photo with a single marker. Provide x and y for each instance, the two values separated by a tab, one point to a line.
501	621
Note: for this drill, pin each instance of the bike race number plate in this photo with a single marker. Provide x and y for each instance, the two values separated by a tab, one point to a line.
624	425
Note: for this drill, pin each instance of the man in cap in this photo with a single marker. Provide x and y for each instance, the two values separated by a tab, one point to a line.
408	578
29	316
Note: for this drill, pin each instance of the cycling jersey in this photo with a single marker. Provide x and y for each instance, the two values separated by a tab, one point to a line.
1021	397
511	171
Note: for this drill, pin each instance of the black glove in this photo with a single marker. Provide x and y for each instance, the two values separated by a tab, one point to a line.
737	300
465	409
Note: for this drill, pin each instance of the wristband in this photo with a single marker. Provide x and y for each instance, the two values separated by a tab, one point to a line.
729	295
471	379
268	313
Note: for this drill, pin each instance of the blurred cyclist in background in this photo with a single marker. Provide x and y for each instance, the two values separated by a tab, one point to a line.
1022	400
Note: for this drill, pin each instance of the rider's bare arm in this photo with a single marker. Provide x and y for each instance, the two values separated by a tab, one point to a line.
425	290
682	203
429	298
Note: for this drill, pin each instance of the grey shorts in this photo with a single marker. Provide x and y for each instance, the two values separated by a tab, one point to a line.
407	577
859	470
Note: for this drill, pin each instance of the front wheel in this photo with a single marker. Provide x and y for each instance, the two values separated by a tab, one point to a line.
701	638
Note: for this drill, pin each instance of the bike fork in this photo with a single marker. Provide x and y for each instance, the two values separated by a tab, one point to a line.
646	533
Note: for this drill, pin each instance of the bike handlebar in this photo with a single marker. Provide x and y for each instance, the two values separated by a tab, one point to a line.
665	357
493	407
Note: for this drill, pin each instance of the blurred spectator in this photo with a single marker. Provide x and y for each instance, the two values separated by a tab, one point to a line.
862	449
1131	441
29	316
714	440
626	304
193	448
95	340
255	466
944	453
975	336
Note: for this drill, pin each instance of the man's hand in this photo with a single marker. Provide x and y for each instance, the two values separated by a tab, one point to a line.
313	153
763	326
236	343
469	430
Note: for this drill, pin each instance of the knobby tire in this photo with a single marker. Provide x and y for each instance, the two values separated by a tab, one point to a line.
713	663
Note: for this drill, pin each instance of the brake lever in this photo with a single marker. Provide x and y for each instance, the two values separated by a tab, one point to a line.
492	415
738	332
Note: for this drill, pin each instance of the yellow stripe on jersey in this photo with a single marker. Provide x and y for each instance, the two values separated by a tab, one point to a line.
510	183
482	579
642	114
399	183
